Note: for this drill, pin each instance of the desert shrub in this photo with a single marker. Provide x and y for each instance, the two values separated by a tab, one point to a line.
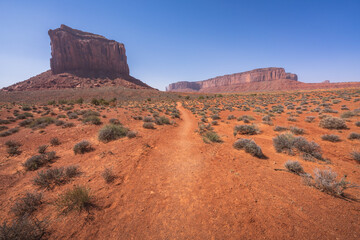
356	156
354	135
112	132
37	161
137	117
77	198
294	167
108	175
27	204
9	132
92	120
68	125
42	122
114	121
13	147
291	119
309	149
231	117
55	141
2	128
215	117
296	130
4	121
73	116
280	129
55	176
325	181
348	114
131	134
330	138
246	129
309	119
266	118
212	137
82	147
332	123
357	124
249	146
59	123
214	123
42	149
246	118
148	119
148	125
284	143
162	120
23	228
25	122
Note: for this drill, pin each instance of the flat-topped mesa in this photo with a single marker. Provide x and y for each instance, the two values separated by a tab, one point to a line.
86	54
256	75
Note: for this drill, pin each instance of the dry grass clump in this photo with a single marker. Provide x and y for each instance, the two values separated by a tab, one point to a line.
77	198
297	130
55	141
211	136
131	134
108	175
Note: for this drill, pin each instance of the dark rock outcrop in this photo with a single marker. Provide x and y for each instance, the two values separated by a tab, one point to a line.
257	75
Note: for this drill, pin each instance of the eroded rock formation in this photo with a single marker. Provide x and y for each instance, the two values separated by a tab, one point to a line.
82	60
257	75
86	54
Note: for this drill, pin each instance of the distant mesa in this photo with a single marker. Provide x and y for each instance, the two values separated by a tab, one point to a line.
253	76
262	79
82	60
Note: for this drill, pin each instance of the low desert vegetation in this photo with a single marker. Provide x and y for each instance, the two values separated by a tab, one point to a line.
23	228
108	175
332	123
288	143
82	147
13	147
356	156
331	138
246	129
55	176
249	146
35	162
326	181
354	135
148	125
211	136
112	132
55	141
76	199
294	167
26	205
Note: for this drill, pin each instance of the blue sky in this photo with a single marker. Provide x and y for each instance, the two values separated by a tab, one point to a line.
189	40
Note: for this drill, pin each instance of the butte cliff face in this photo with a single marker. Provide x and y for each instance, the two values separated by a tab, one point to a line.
82	60
237	79
86	54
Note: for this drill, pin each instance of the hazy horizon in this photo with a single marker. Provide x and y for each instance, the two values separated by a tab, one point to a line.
168	41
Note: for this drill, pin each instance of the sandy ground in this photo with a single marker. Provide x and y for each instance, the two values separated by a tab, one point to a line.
171	185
